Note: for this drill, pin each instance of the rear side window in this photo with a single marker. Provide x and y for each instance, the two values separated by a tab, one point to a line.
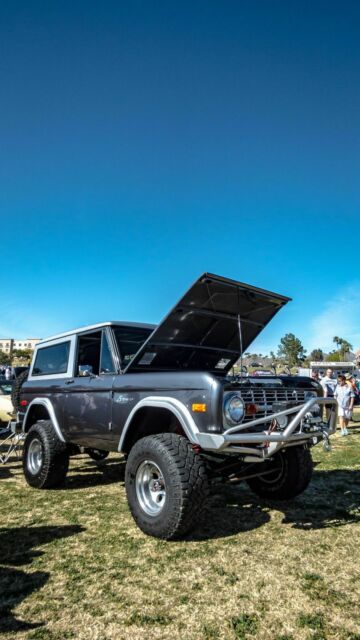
52	360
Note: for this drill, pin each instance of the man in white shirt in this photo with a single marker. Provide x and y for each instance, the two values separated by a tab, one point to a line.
328	383
345	397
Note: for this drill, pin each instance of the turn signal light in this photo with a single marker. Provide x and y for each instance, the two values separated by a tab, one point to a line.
200	408
250	409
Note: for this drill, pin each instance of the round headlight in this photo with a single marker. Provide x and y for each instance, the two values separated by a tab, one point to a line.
315	409
234	409
282	421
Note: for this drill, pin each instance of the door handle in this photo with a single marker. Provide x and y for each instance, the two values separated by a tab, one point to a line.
70	381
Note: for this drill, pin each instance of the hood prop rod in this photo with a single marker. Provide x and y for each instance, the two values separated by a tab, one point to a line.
241	346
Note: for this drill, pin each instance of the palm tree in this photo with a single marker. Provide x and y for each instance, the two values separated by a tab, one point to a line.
343	346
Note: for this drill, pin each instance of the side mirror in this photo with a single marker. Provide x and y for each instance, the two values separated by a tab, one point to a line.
85	370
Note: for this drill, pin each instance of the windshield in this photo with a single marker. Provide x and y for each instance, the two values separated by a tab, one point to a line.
5	389
129	341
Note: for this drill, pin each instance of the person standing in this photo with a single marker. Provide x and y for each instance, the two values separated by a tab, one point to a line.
328	383
345	397
352	382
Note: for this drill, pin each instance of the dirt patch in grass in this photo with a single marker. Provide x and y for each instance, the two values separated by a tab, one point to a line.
74	565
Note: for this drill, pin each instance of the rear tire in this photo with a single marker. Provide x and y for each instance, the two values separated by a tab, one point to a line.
166	485
293	469
16	390
45	457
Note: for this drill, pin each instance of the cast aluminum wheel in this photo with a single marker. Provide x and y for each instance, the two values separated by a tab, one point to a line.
35	456
166	485
150	488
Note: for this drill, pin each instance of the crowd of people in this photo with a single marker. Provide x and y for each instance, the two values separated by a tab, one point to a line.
345	390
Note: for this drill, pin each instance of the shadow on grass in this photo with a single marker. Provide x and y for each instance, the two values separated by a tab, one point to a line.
17	548
94	474
5	472
332	500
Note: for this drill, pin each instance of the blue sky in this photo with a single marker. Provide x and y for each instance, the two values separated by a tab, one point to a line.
143	143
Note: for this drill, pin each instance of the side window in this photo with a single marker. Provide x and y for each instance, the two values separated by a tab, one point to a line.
88	353
52	360
106	364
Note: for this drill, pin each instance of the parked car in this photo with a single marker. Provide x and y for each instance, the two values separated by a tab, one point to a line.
162	395
6	406
262	372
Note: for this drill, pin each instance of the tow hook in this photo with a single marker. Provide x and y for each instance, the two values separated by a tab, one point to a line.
326	441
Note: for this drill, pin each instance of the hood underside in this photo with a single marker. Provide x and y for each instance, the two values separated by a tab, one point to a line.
202	333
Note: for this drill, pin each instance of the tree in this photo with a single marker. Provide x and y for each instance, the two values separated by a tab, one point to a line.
22	354
4	358
291	349
317	355
334	356
344	347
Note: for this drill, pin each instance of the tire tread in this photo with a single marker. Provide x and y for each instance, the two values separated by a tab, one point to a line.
56	457
191	487
299	466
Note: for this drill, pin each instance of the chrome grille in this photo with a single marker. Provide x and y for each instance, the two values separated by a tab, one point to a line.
264	399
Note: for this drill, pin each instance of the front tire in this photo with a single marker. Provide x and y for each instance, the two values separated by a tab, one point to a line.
292	473
166	485
45	457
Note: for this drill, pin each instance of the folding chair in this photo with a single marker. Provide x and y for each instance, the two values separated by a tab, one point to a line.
11	439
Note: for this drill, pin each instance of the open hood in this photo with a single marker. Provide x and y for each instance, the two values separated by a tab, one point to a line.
201	332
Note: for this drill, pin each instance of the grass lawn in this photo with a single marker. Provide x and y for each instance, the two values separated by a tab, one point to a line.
74	565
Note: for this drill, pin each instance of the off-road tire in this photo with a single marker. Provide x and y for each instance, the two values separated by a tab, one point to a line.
294	471
186	483
55	457
16	390
97	454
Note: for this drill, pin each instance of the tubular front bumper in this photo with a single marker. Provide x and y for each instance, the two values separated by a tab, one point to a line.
265	443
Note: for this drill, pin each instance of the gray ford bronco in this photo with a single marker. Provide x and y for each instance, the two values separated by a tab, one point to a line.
163	396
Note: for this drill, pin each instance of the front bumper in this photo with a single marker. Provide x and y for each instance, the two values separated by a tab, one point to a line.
264	444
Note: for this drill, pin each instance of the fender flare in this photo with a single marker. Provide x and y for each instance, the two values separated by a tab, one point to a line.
46	403
180	411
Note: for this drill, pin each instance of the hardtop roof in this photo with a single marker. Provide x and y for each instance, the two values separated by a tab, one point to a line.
99	325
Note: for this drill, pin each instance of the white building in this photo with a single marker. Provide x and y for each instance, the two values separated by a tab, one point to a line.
7	345
336	367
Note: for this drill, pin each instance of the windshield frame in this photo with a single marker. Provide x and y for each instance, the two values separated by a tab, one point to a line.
116	329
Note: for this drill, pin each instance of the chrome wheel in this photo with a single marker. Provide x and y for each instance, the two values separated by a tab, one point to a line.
150	488
35	456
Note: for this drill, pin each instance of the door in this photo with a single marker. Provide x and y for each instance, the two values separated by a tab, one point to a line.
87	414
